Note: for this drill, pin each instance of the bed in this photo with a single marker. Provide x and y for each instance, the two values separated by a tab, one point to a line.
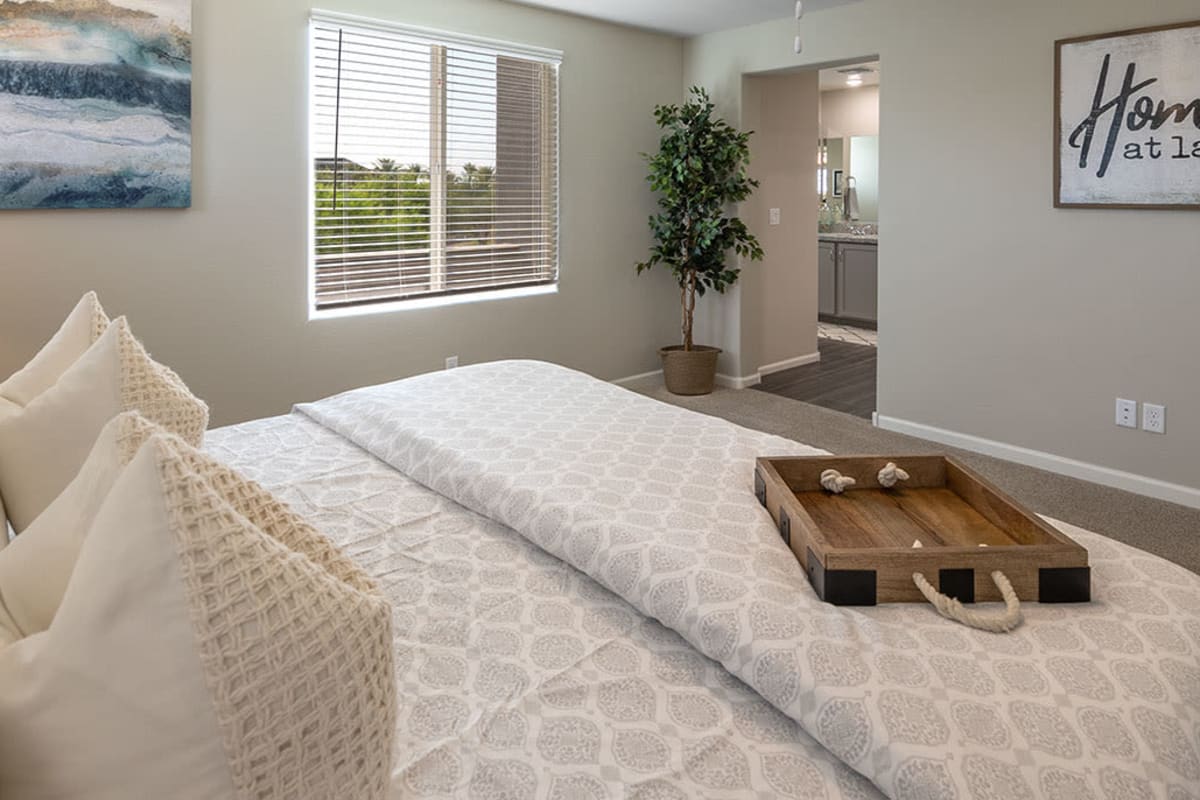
590	603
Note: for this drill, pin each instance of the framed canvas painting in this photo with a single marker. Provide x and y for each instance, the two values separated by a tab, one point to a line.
95	104
1127	119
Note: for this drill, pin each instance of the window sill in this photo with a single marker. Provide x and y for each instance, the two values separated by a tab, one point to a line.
432	302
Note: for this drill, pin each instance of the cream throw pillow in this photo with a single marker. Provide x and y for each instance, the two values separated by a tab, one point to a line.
36	567
83	326
198	655
7	409
43	446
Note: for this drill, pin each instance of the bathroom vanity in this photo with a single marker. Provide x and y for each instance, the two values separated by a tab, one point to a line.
848	278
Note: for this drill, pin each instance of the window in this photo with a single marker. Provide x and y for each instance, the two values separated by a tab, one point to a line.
435	164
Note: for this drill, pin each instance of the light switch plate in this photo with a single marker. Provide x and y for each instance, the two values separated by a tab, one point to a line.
776	216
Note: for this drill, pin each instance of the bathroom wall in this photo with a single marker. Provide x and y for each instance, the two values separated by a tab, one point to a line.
850	112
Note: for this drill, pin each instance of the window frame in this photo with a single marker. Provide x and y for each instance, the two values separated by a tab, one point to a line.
444	39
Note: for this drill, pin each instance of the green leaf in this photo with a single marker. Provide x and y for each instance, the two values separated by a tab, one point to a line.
699	171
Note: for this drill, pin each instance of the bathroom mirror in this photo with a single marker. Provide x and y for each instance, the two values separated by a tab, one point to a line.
830	160
856	157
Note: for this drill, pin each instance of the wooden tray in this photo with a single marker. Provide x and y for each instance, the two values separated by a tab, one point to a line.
857	547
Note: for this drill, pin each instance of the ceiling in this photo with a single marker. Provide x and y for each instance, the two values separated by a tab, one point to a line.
684	17
833	79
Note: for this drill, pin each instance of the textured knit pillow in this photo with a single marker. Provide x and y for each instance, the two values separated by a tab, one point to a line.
82	328
197	655
43	447
35	569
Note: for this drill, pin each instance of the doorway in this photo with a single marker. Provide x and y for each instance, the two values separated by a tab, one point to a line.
847	185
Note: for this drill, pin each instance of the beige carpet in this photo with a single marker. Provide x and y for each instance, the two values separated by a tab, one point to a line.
1169	530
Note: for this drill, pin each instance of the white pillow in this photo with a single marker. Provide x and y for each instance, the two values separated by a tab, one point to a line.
7	409
197	656
35	569
83	326
43	446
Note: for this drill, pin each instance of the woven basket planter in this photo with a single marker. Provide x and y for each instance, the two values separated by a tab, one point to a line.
690	372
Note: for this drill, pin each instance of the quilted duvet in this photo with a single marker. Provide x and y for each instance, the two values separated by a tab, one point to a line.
655	505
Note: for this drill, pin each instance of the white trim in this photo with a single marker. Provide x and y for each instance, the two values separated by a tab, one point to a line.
749	381
1106	476
418	302
724	381
633	378
436	36
791	363
730	382
429	36
311	169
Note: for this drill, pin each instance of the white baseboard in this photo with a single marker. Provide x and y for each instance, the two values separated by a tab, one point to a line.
632	378
791	363
730	382
1106	476
724	381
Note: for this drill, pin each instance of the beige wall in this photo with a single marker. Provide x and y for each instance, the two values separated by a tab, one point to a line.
219	291
1000	316
850	112
779	294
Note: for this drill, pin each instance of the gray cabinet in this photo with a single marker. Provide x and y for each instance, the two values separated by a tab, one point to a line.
858	282
827	279
848	282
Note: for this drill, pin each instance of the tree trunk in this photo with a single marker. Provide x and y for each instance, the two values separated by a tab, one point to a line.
689	309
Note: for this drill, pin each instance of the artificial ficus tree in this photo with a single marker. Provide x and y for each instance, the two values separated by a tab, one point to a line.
699	171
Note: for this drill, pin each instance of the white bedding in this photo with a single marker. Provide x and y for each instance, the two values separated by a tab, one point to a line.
1100	700
519	676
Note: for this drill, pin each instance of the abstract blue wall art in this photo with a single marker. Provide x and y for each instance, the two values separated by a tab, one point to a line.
95	104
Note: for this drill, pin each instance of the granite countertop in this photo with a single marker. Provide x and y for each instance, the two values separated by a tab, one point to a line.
853	238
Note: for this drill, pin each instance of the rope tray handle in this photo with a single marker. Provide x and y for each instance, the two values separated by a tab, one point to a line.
991	621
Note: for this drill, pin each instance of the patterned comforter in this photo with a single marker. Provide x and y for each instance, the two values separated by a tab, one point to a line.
520	677
655	504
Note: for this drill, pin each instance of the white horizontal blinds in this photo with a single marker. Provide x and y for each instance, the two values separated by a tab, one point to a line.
371	140
502	183
436	166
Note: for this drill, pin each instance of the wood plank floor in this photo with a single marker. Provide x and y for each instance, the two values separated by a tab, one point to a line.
844	380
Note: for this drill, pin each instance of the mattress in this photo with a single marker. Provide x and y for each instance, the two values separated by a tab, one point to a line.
590	603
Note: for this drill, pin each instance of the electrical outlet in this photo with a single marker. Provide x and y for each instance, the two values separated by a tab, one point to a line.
1154	418
775	216
1127	413
452	363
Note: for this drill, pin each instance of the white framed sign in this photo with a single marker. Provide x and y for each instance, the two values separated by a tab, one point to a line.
1127	119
